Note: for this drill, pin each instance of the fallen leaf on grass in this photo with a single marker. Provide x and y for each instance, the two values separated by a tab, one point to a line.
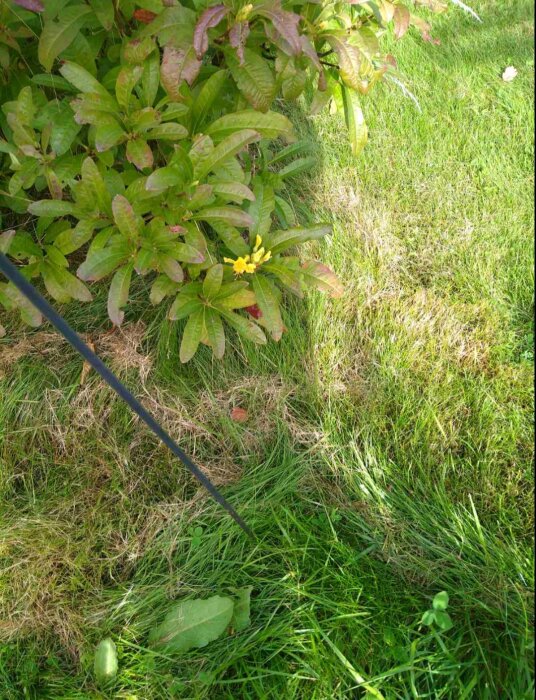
193	623
239	415
241	615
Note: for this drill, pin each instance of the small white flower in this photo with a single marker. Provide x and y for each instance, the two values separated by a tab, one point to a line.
509	74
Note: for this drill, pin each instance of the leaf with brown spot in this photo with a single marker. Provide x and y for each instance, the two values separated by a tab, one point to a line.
144	16
178	65
139	153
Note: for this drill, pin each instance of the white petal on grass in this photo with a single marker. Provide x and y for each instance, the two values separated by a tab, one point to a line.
407	93
466	8
509	74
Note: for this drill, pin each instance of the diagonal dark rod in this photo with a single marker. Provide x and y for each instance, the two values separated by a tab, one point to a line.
10	271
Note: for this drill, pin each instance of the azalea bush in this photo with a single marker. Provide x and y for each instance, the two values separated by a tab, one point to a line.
143	138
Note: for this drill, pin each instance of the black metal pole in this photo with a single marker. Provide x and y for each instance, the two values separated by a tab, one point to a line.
36	298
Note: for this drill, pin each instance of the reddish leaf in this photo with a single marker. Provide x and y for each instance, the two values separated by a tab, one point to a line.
32	5
309	50
178	65
139	153
254	311
401	19
317	275
144	16
285	25
239	415
211	17
237	38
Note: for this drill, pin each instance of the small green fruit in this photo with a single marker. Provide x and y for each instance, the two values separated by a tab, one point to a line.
105	664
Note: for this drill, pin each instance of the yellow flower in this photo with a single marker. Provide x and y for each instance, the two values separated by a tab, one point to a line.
249	263
241	265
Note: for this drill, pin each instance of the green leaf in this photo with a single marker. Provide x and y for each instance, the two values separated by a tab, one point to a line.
82	79
202	196
209	93
193	623
92	176
105	662
137	51
428	618
5	240
118	293
225	150
139	152
190	342
443	620
287	271
101	261
291	150
144	119
104	9
51	207
56	82
161	288
212	281
167	132
63	286
269	125
298	166
315	274
64	129
238	300
227	215
72	239
278	241
367	39
56	257
261	209
162	178
108	133
150	80
215	332
241	616
269	305
441	601
56	36
254	78
184	305
231	237
171	268
349	60
187	253
174	24
129	223
355	121
244	326
126	81
285	213
233	191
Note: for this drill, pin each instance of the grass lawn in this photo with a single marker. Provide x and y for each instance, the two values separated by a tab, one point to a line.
387	453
